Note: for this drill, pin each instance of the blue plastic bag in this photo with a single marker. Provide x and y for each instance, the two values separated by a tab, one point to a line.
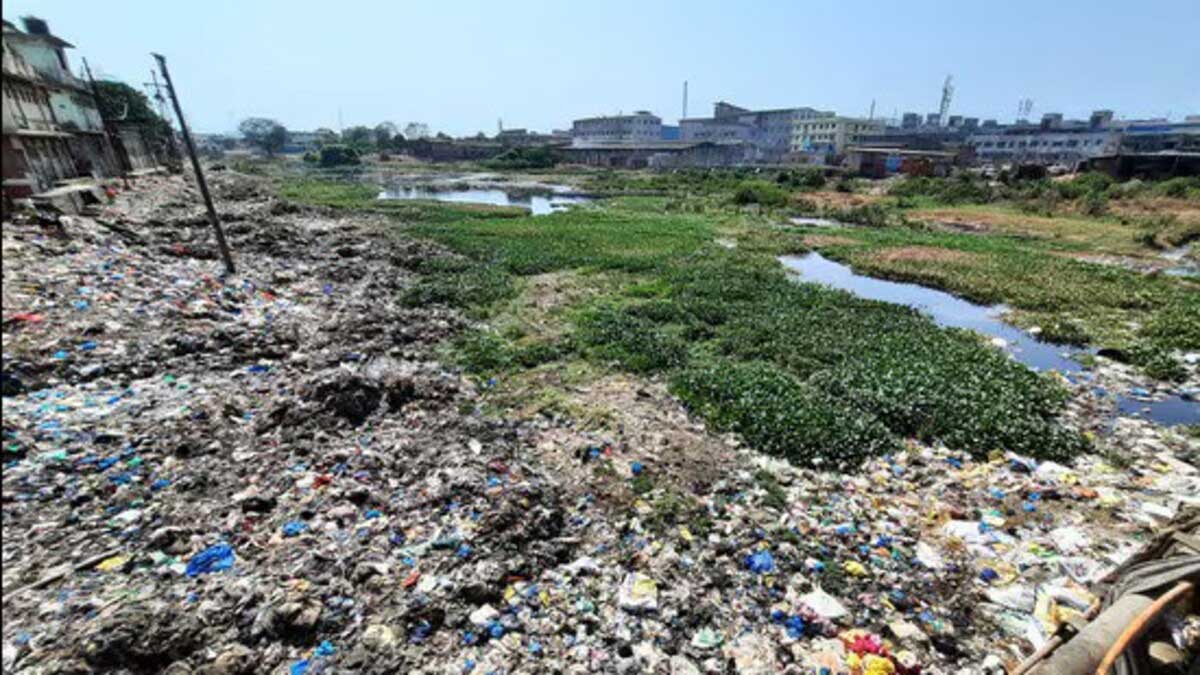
216	558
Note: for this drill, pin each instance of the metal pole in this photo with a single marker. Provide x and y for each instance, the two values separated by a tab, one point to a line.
114	141
191	148
172	149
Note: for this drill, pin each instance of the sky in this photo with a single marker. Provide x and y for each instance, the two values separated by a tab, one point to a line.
463	66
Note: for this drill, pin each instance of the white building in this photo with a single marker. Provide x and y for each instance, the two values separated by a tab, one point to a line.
1053	141
823	136
641	127
769	131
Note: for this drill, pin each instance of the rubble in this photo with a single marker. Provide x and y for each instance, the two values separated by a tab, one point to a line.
273	472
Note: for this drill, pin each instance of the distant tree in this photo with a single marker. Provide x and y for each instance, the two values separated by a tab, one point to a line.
266	134
359	138
325	136
481	136
338	155
443	136
121	103
414	131
384	131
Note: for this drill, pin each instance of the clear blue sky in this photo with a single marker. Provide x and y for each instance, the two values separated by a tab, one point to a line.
459	66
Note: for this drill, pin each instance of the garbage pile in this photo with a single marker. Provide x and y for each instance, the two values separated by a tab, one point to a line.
272	472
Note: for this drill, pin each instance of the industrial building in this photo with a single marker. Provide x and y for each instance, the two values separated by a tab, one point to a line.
659	154
816	140
642	126
769	132
1053	141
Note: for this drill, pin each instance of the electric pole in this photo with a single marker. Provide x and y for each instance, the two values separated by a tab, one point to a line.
191	148
161	100
113	141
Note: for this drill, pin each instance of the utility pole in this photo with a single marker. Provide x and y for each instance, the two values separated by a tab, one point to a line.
684	100
191	148
113	141
162	112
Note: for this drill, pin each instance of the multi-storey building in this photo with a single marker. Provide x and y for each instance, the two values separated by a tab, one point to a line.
52	124
1053	141
642	127
769	132
830	135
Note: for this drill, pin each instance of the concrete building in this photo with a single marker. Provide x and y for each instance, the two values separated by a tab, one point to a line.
51	122
872	162
769	132
1143	136
642	126
1053	141
823	137
659	154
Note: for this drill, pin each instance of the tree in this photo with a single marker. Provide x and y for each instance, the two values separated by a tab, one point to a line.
414	131
325	136
338	155
121	103
266	134
384	132
359	138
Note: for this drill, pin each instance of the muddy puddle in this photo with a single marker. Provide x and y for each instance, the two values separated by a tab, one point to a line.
954	312
551	200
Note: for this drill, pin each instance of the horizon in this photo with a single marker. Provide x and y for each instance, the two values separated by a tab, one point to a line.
531	67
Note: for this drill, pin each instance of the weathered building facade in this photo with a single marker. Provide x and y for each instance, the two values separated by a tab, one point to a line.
769	132
824	137
642	126
53	130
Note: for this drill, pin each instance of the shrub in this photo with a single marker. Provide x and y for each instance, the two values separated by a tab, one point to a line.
339	155
759	192
804	179
1180	187
959	190
523	158
1084	184
1095	204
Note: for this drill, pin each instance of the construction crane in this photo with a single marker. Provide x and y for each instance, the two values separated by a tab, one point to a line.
947	94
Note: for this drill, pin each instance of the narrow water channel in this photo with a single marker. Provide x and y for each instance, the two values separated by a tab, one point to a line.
951	311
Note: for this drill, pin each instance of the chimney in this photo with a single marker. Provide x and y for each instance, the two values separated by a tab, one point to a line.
35	26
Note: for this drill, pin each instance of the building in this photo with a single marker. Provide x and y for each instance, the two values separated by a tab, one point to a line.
880	162
642	126
1161	135
817	139
659	154
302	141
1053	141
769	132
52	126
1146	165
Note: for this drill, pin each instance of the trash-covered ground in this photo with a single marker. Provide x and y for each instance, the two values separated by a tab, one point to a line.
272	472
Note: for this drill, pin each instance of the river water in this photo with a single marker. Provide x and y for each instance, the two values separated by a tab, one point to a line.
951	311
538	204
